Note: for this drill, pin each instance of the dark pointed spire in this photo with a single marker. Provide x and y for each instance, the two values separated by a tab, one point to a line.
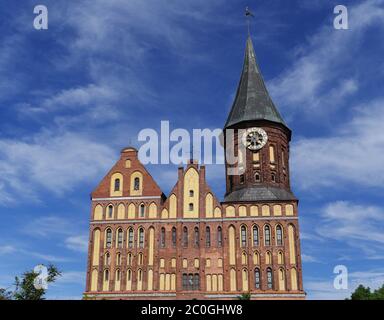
252	101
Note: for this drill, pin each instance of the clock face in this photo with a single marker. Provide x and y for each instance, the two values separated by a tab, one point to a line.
255	138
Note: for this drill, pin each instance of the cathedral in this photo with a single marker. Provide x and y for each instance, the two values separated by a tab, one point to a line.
190	244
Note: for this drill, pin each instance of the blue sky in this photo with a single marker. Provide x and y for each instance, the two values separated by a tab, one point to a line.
73	95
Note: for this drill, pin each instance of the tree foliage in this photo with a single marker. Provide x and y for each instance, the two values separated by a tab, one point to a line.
365	293
25	288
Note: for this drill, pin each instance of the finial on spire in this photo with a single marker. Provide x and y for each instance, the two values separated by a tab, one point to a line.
248	15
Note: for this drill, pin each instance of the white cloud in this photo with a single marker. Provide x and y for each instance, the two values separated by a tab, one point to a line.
56	163
352	154
7	249
354	224
308	258
321	74
77	243
48	226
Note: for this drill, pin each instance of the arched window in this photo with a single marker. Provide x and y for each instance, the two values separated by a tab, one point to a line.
117	185
207	237
140	259
108	240
191	193
129	259
142	210
267	235
162	237
191	207
106	275
257	177
107	259
196	282
269	278
197	236
185	281
255	231
110	211
120	238
136	183
273	177
130	238
129	275
219	236
242	179
141	238
174	236
243	231
279	236
117	275
257	278
185	237
190	281
118	259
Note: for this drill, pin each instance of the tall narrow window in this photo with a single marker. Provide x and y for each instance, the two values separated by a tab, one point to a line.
190	281
142	210
106	275
107	259
117	184
129	259
136	184
185	281
110	211
118	259
108	241
162	237
196	282
120	238
269	278
257	278
191	207
141	238
207	237
191	193
273	177
243	232
255	230
130	238
129	275
257	176
271	154
242	179
279	236
219	237
185	237
267	235
117	275
174	237
197	236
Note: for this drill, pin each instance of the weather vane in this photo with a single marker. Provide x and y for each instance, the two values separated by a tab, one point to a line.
248	15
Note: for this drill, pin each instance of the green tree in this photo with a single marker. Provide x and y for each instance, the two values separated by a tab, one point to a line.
379	293
244	296
361	293
5	294
25	288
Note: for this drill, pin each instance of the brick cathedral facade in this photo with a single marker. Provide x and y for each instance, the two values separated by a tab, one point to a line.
189	244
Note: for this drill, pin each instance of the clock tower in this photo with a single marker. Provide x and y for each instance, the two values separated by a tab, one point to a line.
258	126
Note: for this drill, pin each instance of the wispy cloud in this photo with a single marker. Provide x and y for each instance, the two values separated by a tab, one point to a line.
321	74
56	163
351	154
77	243
355	225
